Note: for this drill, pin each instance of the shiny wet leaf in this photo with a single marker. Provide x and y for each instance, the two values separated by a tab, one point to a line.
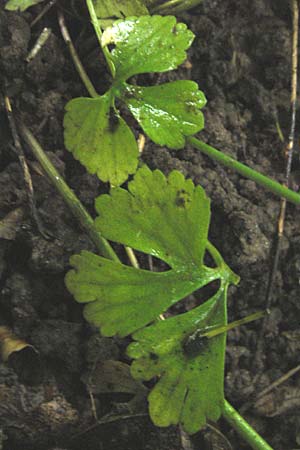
147	44
100	139
168	112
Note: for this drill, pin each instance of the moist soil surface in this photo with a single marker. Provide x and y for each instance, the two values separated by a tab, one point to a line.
241	60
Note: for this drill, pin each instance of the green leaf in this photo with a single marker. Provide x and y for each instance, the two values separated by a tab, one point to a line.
100	139
21	5
168	218
190	388
168	112
147	44
110	10
122	299
165	217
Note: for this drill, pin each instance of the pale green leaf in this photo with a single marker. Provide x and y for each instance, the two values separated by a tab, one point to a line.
168	112
100	139
21	5
122	299
110	10
190	388
147	44
167	217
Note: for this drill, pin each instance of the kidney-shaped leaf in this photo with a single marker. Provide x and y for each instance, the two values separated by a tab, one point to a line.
147	44
168	112
122	299
167	217
100	139
190	388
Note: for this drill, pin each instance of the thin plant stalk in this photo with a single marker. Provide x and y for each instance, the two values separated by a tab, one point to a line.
175	6
68	195
243	428
23	163
91	90
289	151
98	31
79	67
262	180
224	328
132	258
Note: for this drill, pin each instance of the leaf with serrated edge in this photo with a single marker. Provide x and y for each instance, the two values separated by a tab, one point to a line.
190	389
167	217
122	299
168	112
105	145
147	44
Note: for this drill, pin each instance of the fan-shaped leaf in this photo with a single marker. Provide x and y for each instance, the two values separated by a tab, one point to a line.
100	139
123	299
165	217
190	388
168	218
147	44
168	112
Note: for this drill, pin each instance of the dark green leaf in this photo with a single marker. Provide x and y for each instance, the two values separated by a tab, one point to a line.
168	112
147	44
190	389
100	139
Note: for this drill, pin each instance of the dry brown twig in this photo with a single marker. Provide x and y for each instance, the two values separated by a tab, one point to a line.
288	157
27	177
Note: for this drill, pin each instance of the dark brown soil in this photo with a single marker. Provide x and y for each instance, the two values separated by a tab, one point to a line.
241	60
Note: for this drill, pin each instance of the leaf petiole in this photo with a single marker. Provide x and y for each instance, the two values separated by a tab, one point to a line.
68	195
247	172
243	428
98	31
219	261
223	329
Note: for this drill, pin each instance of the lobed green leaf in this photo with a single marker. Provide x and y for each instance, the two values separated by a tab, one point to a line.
168	112
122	299
147	44
100	139
167	217
190	388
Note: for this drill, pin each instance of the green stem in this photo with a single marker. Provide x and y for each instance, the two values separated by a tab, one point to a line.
98	31
68	195
260	179
237	323
243	428
215	254
219	261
